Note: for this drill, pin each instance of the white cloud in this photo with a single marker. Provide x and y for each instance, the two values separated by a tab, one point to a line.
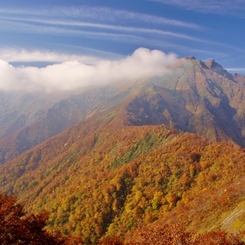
210	6
240	70
96	30
93	15
94	22
22	55
103	14
73	74
8	76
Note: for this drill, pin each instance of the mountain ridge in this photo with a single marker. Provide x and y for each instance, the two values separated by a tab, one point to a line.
194	96
162	149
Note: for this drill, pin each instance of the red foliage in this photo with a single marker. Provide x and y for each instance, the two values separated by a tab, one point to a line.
16	227
219	238
173	235
111	240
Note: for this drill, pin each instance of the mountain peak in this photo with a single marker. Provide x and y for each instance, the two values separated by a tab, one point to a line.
216	67
213	65
191	58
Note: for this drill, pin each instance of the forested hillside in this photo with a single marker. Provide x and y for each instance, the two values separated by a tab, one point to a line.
95	182
163	150
192	96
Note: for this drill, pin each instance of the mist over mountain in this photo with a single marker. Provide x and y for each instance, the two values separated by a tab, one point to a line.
193	96
76	74
104	158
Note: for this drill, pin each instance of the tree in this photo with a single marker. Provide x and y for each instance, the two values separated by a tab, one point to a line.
18	227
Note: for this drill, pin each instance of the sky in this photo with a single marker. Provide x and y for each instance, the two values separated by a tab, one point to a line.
60	40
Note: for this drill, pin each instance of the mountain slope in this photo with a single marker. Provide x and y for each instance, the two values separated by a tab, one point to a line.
33	118
93	181
128	160
193	96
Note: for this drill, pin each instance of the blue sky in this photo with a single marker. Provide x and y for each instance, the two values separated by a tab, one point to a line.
53	31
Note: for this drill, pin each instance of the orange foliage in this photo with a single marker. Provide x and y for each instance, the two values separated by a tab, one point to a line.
172	235
16	227
107	183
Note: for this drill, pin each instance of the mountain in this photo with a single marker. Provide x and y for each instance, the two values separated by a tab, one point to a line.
104	160
27	119
193	96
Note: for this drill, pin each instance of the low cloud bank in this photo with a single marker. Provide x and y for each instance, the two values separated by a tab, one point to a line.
75	74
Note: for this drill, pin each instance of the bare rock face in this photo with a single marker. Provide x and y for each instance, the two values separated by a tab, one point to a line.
197	97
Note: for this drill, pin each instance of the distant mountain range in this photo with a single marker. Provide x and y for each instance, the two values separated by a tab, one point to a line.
103	159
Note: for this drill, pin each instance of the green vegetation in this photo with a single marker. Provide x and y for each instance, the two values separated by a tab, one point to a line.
146	145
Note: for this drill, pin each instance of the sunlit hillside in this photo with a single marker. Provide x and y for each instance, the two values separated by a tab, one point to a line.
163	150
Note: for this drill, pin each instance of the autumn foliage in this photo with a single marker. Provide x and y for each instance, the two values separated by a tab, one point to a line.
123	166
17	227
174	234
97	184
